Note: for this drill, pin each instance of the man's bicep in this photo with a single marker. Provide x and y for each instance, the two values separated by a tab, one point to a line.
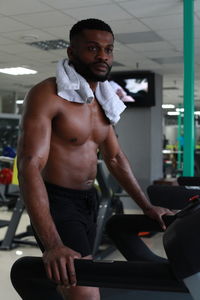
34	139
110	146
35	127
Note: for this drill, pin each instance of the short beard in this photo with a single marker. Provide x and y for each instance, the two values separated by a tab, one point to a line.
85	71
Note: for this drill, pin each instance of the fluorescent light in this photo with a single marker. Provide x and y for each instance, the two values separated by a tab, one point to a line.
19	101
166	151
173	113
17	71
180	109
19	252
167	106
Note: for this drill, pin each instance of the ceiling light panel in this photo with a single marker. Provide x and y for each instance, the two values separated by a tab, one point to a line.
17	71
50	45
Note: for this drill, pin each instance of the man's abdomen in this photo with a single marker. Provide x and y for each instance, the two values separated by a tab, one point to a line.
71	169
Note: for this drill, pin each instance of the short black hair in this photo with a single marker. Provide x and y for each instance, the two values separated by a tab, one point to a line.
94	24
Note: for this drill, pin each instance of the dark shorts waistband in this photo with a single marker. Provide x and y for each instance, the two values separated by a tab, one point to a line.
51	187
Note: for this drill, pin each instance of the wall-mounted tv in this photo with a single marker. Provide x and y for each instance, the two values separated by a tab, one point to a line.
135	88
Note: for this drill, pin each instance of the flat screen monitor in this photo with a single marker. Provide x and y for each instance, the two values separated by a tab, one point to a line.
135	88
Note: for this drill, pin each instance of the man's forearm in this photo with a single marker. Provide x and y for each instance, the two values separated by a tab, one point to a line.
35	197
121	170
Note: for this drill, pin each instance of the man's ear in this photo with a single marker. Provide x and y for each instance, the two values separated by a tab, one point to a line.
70	52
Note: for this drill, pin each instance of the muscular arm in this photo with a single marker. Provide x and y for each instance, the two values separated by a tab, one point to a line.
33	151
119	166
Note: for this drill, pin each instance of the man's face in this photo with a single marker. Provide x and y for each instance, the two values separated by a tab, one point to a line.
91	54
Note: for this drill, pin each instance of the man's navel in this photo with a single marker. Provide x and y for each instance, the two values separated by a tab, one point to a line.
73	140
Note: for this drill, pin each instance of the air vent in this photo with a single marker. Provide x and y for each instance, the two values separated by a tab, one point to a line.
50	45
170	88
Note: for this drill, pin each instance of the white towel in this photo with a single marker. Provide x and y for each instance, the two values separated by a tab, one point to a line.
73	87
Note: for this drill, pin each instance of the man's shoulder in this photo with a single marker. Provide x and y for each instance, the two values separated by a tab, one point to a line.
42	100
47	85
46	92
43	94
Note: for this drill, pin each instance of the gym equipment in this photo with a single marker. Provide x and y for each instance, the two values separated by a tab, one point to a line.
6	176
143	279
9	131
173	197
11	240
181	242
189	181
9	152
29	278
124	229
109	204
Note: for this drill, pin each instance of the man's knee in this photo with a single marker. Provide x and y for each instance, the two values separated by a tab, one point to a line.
83	293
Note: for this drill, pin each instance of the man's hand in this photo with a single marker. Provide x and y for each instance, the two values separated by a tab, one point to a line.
59	265
157	212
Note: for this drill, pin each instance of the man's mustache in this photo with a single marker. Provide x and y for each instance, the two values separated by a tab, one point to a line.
103	63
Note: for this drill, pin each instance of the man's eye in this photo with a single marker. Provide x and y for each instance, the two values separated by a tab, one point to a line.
92	48
109	50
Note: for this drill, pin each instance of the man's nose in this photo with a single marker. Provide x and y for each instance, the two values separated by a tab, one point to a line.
101	54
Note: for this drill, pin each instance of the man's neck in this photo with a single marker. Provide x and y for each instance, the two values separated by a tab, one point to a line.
93	85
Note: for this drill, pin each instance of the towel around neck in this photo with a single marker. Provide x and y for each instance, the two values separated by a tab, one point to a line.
73	87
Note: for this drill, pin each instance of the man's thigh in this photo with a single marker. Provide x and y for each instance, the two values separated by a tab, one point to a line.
80	292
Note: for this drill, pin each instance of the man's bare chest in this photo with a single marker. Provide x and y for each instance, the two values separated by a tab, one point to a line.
79	123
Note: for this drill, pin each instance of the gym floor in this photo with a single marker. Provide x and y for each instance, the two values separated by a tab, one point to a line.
7	258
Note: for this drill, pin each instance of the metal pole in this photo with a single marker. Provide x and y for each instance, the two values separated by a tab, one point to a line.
179	145
188	155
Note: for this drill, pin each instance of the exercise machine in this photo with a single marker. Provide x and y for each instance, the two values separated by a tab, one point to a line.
117	279
182	245
11	239
109	204
189	181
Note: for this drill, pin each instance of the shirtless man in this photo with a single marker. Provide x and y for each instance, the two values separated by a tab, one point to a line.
57	157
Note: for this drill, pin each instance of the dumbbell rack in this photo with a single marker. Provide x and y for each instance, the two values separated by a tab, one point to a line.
11	240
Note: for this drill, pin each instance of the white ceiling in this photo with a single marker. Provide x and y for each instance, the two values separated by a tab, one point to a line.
149	35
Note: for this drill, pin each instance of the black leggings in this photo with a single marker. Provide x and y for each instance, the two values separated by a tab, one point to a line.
124	229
